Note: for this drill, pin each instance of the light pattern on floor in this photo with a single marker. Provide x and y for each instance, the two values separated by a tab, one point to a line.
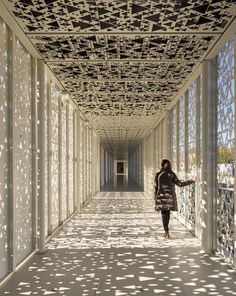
122	253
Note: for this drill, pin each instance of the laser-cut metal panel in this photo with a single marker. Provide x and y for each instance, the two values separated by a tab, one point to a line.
22	153
103	33
55	155
3	151
116	47
121	70
192	165
106	16
181	191
147	87
174	138
225	146
71	158
63	144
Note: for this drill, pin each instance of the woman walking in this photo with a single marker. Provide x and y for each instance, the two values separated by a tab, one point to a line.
165	196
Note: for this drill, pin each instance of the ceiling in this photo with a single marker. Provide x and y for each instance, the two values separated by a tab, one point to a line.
122	61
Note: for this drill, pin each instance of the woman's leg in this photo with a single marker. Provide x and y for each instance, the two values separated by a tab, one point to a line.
165	219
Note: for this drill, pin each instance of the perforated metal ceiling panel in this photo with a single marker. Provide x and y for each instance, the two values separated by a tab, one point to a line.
122	61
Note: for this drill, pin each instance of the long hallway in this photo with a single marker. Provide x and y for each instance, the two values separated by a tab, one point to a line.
96	98
115	247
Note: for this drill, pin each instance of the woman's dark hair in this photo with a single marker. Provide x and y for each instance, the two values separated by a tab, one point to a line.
165	165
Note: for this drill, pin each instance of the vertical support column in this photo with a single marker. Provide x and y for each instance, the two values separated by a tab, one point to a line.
67	159
151	163
60	103
11	136
177	137
186	190
82	162
209	157
42	155
34	152
49	109
77	161
101	166
74	161
92	164
144	165
98	166
234	150
171	135
85	147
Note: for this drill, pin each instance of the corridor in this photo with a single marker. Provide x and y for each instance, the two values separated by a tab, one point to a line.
115	247
94	95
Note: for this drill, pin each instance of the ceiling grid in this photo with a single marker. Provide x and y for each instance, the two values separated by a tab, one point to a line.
122	61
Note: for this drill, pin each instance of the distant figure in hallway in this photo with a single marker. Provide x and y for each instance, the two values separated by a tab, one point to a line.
165	196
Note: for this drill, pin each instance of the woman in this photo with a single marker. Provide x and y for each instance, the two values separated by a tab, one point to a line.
165	196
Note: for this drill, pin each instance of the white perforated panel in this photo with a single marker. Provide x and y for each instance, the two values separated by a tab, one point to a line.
71	156
63	159
22	153
3	151
55	155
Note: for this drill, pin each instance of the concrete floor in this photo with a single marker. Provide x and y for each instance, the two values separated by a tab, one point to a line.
115	247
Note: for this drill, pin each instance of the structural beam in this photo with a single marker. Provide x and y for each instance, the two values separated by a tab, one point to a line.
115	61
127	33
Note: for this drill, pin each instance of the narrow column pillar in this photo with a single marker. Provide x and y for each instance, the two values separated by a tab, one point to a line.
60	103
151	162
77	161
67	158
208	156
42	155
234	151
34	152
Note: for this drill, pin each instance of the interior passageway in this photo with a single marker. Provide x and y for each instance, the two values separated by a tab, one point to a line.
121	183
93	96
115	247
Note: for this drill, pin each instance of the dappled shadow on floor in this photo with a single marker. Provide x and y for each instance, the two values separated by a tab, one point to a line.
115	247
122	271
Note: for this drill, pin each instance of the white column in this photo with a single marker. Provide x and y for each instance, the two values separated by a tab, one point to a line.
77	161
177	137
186	189
208	156
151	162
67	157
49	113
34	152
42	155
60	103
98	166
234	151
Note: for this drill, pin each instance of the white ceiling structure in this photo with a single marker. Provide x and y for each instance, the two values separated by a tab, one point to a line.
122	61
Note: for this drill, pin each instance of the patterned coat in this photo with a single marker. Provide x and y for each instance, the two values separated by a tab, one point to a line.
165	196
